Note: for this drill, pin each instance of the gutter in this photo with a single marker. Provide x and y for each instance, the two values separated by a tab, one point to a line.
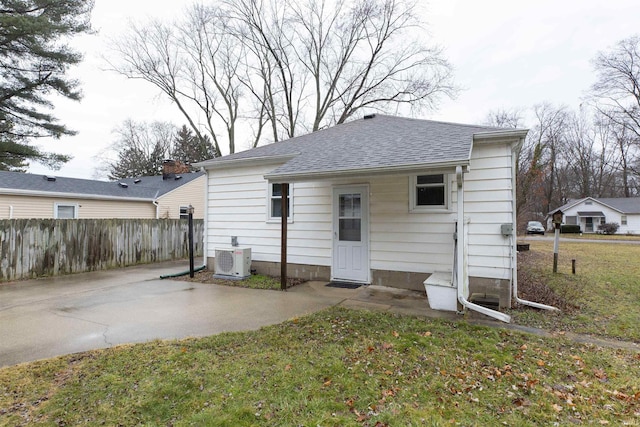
36	193
514	250
445	167
461	277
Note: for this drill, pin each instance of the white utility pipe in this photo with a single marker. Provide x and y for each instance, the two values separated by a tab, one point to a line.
205	215
514	250
462	280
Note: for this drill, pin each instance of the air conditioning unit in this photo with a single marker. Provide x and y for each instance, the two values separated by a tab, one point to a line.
233	263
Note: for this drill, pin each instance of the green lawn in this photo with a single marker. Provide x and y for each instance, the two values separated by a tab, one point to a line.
602	298
344	367
338	367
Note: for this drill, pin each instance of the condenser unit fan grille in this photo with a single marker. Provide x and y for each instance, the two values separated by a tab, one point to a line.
225	261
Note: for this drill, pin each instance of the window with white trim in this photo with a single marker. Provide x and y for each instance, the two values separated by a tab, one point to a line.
184	212
571	220
275	202
623	220
429	192
65	211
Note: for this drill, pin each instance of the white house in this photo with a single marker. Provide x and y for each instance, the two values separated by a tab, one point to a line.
590	212
382	200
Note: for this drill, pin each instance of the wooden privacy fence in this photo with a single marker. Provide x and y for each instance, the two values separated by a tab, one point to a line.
47	247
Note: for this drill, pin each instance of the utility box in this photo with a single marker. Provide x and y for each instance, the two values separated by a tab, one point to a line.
506	229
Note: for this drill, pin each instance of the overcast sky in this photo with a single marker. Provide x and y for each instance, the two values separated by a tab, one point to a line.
506	54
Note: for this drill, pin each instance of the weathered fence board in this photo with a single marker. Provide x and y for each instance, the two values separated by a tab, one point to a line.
47	247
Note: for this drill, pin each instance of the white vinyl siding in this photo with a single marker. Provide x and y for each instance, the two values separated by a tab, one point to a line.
488	205
399	239
237	205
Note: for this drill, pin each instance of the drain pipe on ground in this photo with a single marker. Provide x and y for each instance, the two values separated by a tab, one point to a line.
514	248
462	280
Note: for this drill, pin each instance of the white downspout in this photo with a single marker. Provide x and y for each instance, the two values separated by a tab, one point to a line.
461	273
514	247
10	211
205	214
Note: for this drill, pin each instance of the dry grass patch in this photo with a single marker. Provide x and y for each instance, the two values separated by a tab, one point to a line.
601	299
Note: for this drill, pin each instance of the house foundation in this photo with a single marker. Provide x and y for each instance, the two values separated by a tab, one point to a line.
395	279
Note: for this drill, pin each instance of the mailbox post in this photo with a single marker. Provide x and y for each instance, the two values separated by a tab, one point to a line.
557	222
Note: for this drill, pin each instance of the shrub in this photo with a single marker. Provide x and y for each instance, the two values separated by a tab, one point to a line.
570	228
608	228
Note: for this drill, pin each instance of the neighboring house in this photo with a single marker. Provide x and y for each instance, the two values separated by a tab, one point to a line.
24	195
590	212
374	201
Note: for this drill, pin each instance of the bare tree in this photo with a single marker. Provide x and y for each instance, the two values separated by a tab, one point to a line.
291	67
500	118
139	149
538	168
194	64
328	60
617	86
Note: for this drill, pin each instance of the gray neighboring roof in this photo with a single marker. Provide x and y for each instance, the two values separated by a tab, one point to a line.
625	205
148	187
374	143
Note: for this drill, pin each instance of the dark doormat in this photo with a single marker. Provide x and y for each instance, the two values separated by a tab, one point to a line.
344	285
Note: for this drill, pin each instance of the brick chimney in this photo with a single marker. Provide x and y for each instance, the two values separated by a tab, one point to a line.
171	168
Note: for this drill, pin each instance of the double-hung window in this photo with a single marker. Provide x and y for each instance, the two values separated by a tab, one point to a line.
65	211
428	192
275	202
184	212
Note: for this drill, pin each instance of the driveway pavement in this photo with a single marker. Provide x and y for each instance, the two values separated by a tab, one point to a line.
54	316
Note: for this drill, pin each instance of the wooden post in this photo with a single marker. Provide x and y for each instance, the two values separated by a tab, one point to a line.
556	245
557	223
283	237
573	266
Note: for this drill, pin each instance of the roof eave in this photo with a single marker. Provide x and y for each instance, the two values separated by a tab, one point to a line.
35	193
219	163
445	167
500	136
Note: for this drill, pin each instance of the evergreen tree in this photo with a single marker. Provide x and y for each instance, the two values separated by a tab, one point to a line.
33	62
189	149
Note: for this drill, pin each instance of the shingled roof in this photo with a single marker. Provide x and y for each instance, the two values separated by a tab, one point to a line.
142	188
625	205
377	142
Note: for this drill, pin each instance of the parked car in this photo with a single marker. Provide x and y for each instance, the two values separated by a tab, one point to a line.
535	227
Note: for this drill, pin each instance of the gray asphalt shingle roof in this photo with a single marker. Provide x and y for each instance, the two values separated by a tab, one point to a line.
368	144
148	187
626	205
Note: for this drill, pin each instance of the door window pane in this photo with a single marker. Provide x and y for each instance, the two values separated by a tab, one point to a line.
349	230
349	222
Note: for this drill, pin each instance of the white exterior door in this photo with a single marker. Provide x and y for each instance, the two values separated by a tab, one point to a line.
351	234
